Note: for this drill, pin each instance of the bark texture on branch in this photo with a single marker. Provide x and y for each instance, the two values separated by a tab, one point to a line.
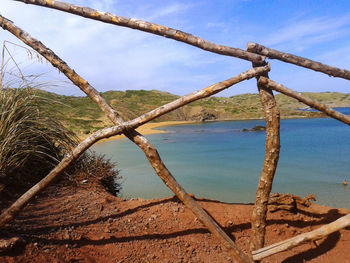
200	94
148	149
310	102
147	27
10	213
302	238
299	61
272	149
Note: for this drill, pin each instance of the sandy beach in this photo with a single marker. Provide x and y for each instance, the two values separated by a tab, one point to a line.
150	128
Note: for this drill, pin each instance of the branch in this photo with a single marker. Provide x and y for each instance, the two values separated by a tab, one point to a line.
310	102
272	149
147	27
148	149
299	61
13	210
302	238
58	63
200	94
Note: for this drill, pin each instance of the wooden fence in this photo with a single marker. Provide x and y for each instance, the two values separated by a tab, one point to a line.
254	53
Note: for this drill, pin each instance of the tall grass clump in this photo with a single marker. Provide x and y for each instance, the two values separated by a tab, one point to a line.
31	141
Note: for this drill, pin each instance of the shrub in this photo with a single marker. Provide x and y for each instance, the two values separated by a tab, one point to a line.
96	166
31	141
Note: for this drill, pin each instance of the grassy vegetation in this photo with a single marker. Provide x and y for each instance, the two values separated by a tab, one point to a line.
80	115
33	140
37	127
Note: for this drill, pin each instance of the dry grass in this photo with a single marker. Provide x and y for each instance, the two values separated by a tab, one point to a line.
31	141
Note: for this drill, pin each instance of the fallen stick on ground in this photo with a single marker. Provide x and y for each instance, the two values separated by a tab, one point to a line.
302	238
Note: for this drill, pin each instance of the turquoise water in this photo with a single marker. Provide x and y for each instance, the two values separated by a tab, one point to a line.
215	160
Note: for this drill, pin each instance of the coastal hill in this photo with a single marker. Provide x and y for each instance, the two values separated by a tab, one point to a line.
83	116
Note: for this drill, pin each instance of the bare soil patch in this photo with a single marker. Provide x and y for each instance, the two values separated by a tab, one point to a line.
77	222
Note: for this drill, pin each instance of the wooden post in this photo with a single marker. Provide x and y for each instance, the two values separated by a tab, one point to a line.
148	149
272	149
299	61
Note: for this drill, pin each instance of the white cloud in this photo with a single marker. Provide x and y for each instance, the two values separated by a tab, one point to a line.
167	11
95	49
111	57
301	34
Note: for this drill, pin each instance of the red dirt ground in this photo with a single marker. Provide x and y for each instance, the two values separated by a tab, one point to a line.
83	223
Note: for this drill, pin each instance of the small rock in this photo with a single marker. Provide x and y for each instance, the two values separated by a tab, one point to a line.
230	223
153	216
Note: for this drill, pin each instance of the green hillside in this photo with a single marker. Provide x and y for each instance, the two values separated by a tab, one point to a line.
83	116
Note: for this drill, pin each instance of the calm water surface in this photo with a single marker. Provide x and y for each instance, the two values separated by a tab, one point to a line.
216	160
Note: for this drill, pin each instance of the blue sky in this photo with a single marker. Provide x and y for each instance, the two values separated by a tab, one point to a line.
115	58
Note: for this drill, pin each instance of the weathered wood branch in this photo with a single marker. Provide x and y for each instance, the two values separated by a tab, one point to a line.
299	61
272	149
200	94
302	238
13	210
310	102
289	202
58	63
10	213
148	149
147	27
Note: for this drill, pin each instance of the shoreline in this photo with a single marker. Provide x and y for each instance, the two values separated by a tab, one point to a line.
150	127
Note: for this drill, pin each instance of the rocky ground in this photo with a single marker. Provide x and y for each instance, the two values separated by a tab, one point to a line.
82	222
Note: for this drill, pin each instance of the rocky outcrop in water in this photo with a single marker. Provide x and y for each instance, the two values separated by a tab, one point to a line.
255	128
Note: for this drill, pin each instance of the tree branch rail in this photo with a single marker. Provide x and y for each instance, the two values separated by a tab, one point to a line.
254	53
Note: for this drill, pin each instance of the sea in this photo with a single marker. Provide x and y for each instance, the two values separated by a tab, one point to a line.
216	160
